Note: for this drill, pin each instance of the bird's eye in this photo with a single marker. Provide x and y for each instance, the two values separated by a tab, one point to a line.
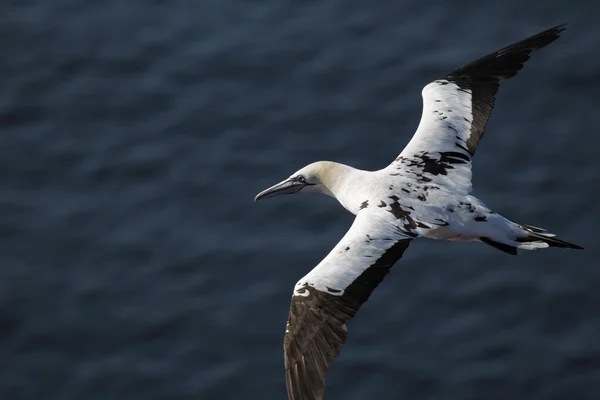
301	179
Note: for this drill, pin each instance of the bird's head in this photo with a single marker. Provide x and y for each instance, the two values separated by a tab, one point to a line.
317	177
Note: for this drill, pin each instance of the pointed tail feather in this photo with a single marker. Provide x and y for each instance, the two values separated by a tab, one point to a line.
535	229
537	235
532	238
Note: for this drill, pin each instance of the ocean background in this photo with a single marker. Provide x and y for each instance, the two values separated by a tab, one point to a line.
134	136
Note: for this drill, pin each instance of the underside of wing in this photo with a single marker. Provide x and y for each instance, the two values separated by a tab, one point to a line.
330	295
456	109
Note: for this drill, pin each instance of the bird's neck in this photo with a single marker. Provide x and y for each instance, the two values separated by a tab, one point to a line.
346	184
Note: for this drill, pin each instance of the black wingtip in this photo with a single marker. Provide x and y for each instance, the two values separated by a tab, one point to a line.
532	43
561	27
506	62
546	37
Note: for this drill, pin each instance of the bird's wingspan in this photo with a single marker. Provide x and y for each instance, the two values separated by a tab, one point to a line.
331	294
456	109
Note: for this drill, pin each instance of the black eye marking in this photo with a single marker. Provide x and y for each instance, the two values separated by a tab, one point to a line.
301	179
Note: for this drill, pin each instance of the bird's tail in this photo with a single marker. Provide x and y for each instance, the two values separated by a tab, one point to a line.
536	235
531	238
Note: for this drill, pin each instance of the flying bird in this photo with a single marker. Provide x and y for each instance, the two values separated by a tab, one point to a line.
424	192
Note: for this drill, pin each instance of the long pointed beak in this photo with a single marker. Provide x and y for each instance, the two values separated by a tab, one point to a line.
289	186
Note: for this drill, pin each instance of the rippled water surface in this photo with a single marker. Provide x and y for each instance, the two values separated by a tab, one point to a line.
134	136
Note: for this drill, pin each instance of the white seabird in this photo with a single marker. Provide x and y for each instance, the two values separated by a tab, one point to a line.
422	193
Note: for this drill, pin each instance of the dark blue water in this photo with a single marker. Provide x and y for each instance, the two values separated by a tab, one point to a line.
134	136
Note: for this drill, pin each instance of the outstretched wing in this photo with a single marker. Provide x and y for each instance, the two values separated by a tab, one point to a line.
456	109
331	294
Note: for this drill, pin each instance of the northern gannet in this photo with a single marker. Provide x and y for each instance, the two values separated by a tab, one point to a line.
424	192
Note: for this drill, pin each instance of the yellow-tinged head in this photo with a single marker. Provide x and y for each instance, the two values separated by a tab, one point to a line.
318	177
